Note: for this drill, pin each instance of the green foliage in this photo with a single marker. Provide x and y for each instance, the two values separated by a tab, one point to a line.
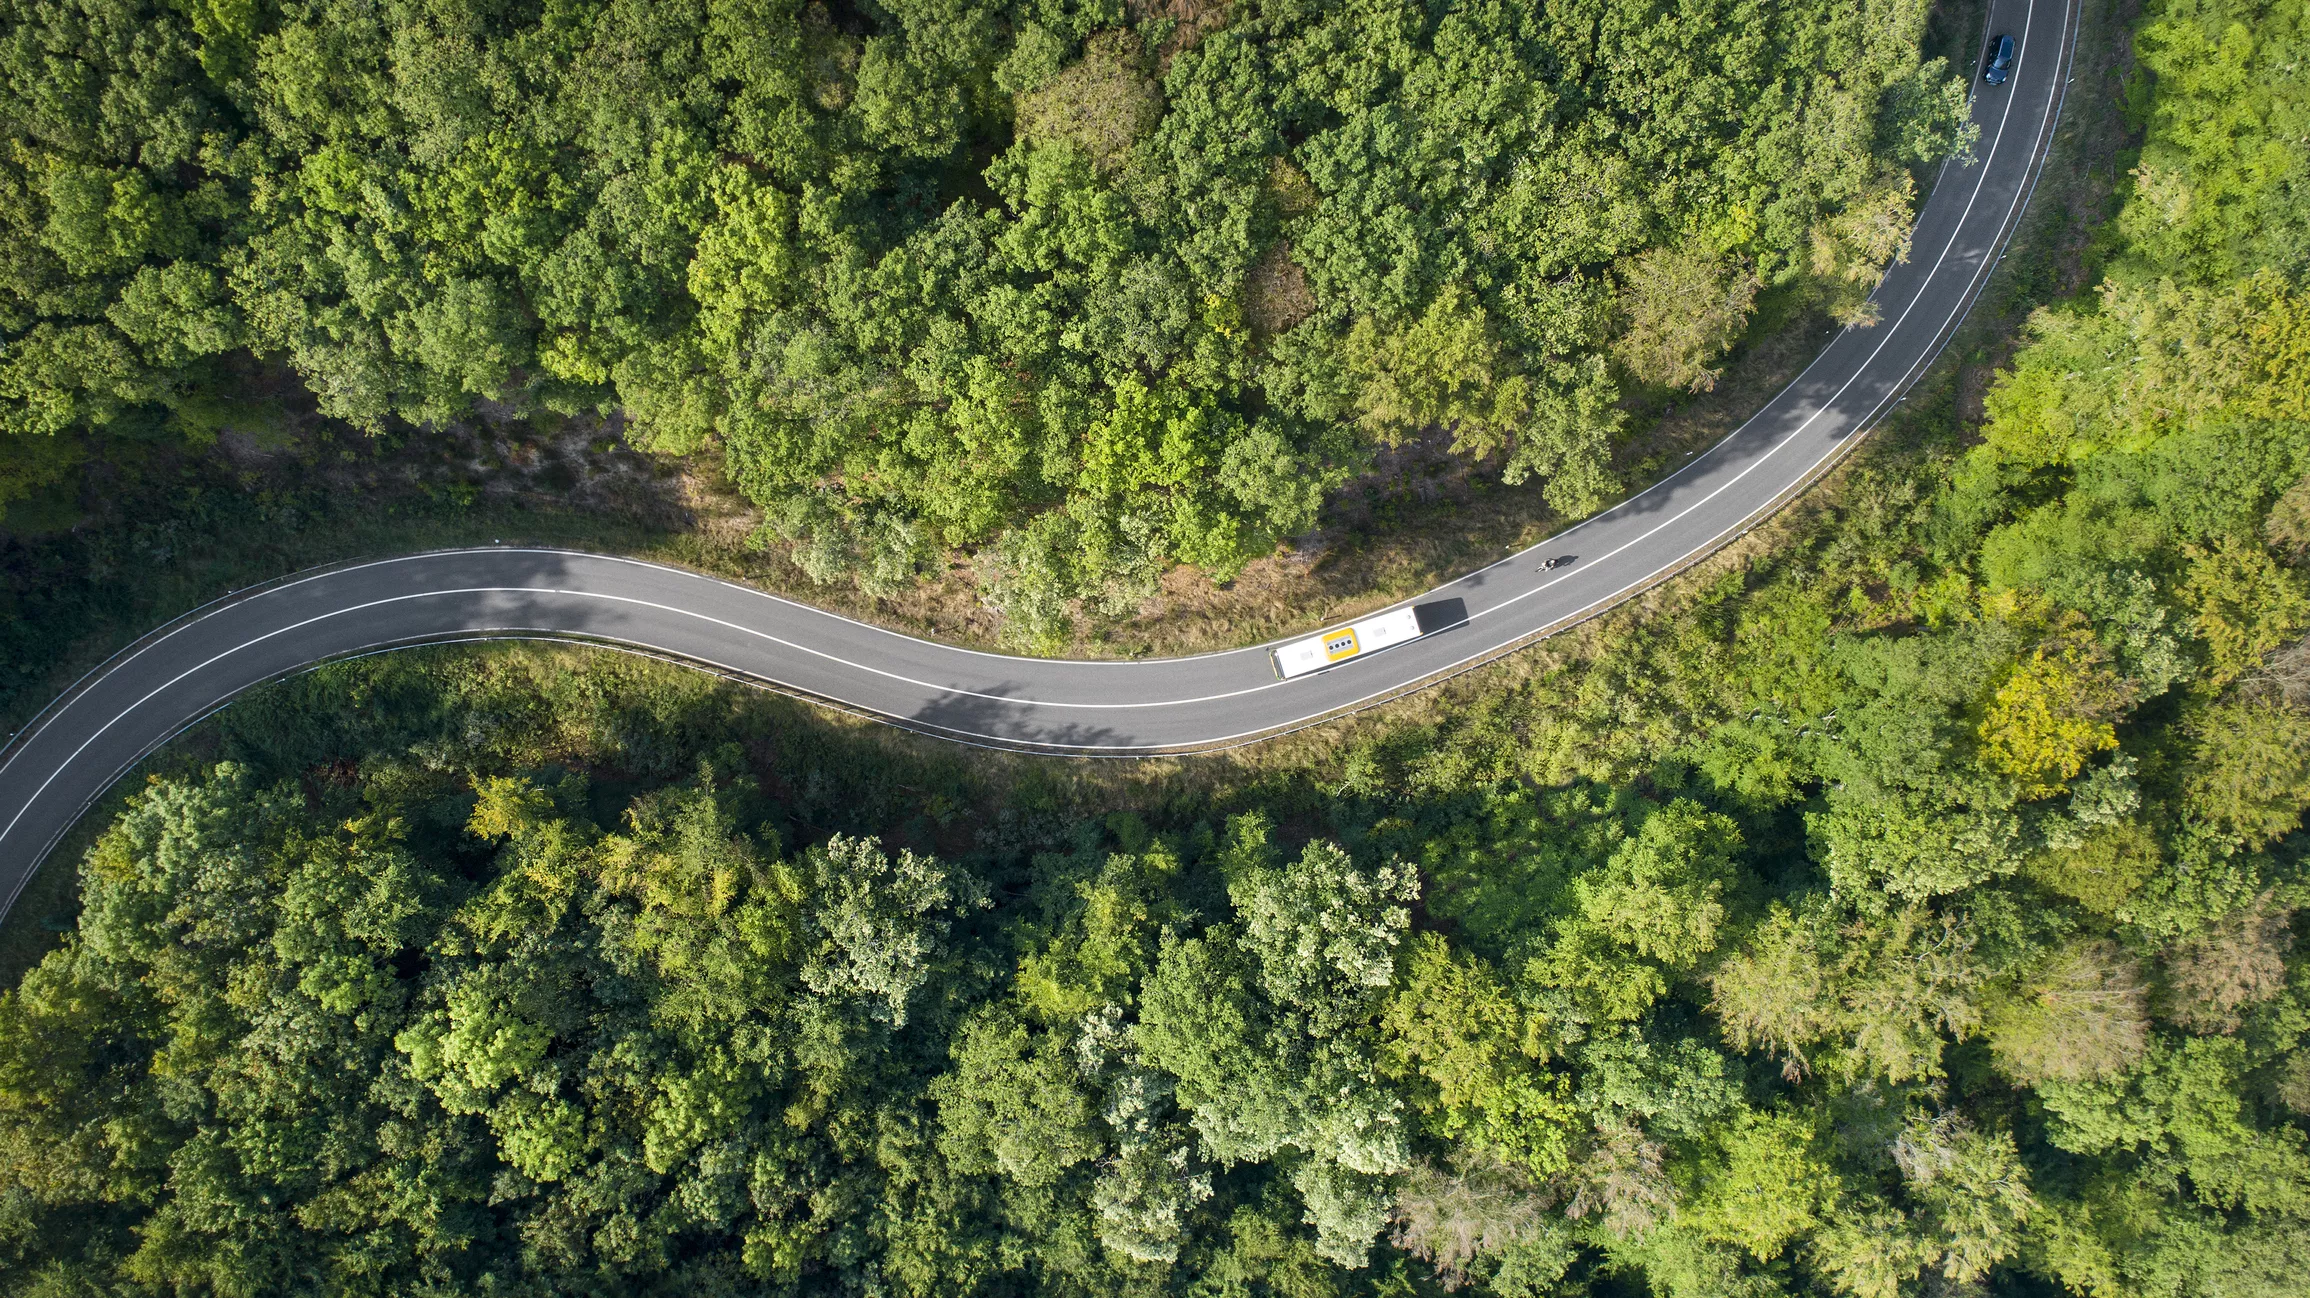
1098	937
2223	150
871	935
1925	117
1454	1027
1323	931
1880	997
1012	1105
2250	769
1971	1191
1268	1025
1853	249
1443	369
1684	308
1103	103
2102	869
1772	1187
2246	606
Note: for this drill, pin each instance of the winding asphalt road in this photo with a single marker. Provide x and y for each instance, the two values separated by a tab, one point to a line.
66	757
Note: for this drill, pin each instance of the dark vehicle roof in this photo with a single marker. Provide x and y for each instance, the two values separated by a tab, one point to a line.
2000	61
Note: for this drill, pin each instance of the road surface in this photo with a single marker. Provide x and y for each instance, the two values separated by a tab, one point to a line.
66	757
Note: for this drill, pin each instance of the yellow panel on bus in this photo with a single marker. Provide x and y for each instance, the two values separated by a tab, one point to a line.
1339	644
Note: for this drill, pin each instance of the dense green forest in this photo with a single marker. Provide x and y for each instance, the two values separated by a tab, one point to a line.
1912	909
1094	288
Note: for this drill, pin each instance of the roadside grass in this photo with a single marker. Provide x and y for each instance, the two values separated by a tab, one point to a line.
1425	517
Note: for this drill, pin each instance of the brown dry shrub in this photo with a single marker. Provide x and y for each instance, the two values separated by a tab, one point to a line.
2084	1016
1448	1216
2240	961
1276	295
2288	526
1290	190
1620	1180
1196	19
2286	674
2290	1082
1102	103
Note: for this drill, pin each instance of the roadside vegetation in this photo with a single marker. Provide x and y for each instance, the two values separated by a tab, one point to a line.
1911	905
1082	290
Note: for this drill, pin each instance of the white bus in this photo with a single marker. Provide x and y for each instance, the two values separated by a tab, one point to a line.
1342	643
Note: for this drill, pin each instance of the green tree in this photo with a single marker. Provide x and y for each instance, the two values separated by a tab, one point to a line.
875	930
1925	117
1684	308
2246	605
1454	1025
2250	773
1012	1103
1771	1189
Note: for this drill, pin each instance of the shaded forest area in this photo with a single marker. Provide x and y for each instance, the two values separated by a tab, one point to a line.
1912	909
1089	288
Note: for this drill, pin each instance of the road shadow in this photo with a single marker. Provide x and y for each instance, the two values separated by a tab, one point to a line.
993	716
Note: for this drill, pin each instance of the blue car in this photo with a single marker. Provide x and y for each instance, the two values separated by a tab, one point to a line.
2000	61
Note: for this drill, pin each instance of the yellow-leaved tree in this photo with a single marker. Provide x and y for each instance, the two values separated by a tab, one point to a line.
2055	709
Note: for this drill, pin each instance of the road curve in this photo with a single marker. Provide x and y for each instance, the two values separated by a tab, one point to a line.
68	755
